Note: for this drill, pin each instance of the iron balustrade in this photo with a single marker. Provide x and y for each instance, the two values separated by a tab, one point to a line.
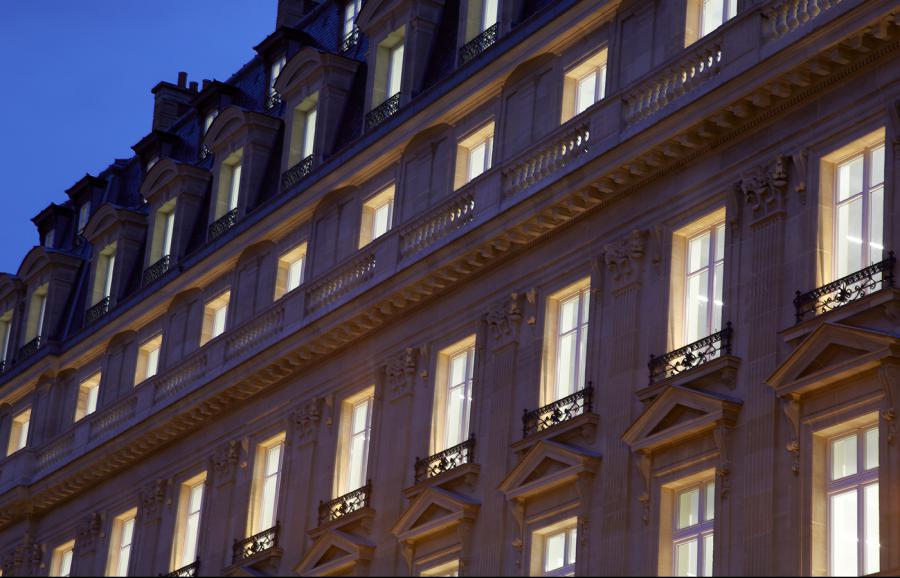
558	412
296	173
221	226
690	356
4	365
345	505
189	571
476	47
256	544
156	270
274	100
29	348
204	152
846	289
451	458
351	40
383	111
97	311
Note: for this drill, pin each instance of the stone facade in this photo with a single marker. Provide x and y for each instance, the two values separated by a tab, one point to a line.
741	130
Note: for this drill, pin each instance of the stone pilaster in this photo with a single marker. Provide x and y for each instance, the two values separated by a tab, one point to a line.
224	466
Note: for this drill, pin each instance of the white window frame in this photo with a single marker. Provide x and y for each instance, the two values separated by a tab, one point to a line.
344	475
351	13
189	522
266	487
121	543
61	561
596	64
581	292
215	317
148	359
303	130
700	531
19	431
481	138
568	530
441	432
372	207
291	270
88	395
209	119
84	215
713	262
275	70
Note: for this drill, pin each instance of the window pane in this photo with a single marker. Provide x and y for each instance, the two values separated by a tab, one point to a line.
295	274
357	464
273	460
476	160
565	368
872	448
554	552
219	321
65	565
686	558
849	237
455	415
235	187
698	252
490	14
196	498
585	92
572	546
267	507
720	242
872	545
360	417
843	457
697	307
152	362
396	70
716	321
843	539
192	527
309	133
568	315
707	555
711	17
876	225
381	221
850	178
688	508
710	509
877	166
601	87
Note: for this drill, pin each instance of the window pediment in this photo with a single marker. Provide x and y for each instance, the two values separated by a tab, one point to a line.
392	14
40	259
433	510
829	354
547	465
235	125
168	176
112	222
677	414
310	69
333	552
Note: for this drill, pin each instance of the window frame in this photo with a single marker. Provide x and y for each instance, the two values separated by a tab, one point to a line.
713	325
370	207
221	302
441	414
256	512
142	369
343	466
17	432
580	289
596	62
59	557
705	527
483	135
288	261
117	534
182	521
538	548
88	396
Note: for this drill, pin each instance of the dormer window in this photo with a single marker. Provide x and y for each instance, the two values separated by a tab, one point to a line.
84	214
163	230
5	337
349	35
208	119
50	239
36	314
704	16
18	433
378	213
290	271
481	15
303	130
388	78
473	155
106	267
88	393
584	85
274	98
228	197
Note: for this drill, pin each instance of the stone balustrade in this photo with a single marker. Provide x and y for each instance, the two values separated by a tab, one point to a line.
341	281
113	416
55	451
437	224
254	332
784	16
173	380
546	159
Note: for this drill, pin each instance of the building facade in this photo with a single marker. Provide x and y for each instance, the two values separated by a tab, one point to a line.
383	303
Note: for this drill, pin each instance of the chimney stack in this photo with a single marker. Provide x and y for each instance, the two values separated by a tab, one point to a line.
171	101
290	12
206	82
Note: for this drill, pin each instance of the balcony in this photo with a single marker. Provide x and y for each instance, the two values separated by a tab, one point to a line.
344	505
274	100
350	41
222	226
558	412
156	271
93	314
449	459
296	173
845	290
4	365
690	356
204	152
476	47
383	111
29	349
249	548
189	571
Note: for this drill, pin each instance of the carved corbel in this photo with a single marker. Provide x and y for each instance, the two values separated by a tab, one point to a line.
518	543
890	381
791	409
762	188
306	418
799	158
504	318
624	257
153	496
644	465
400	372
88	533
225	460
723	471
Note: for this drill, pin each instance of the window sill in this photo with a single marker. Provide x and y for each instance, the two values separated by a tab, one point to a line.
580	430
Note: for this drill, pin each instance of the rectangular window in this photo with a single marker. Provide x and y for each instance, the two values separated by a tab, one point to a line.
378	213
395	69
215	317
18	431
208	119
165	223
290	271
447	569
187	529
692	529
276	69
88	392
356	430
554	549
120	543
61	561
37	313
566	341
854	546
474	154
351	11
50	239
229	188
389	67
859	210
84	215
584	84
106	268
303	130
453	395
148	359
704	269
480	15
5	335
266	484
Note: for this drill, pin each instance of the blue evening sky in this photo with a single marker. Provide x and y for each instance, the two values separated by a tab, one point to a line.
75	80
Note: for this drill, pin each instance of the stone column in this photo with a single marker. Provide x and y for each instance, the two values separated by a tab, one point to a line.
216	552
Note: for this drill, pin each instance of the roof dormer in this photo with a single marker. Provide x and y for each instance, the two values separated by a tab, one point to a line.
54	225
86	196
155	146
215	97
275	51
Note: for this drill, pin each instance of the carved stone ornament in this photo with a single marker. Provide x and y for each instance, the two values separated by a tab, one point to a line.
225	460
400	371
890	382
89	532
798	159
791	409
762	188
504	317
307	417
153	497
723	471
623	256
644	463
24	560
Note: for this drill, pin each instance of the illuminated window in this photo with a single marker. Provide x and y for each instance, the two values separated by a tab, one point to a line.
215	317
447	569
480	15
84	215
303	130
37	313
148	359
50	239
208	119
566	341
473	154
704	262
389	67
106	268
453	395
290	271
229	193
88	392
378	214
266	485
275	70
61	561
584	84
187	528
704	16
120	543
692	529
163	231
5	336
18	432
356	431
554	549
351	12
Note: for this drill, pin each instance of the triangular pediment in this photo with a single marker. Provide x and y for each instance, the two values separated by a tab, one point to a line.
335	551
829	354
547	464
431	511
679	413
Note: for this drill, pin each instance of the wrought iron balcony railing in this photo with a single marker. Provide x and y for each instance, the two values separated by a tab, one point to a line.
156	270
451	458
846	289
222	226
351	40
204	152
296	173
475	47
29	349
96	312
189	571
557	412
690	356
256	544
345	505
383	111
274	100
4	365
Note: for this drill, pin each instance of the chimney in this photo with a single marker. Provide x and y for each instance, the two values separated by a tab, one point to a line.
290	12
171	101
